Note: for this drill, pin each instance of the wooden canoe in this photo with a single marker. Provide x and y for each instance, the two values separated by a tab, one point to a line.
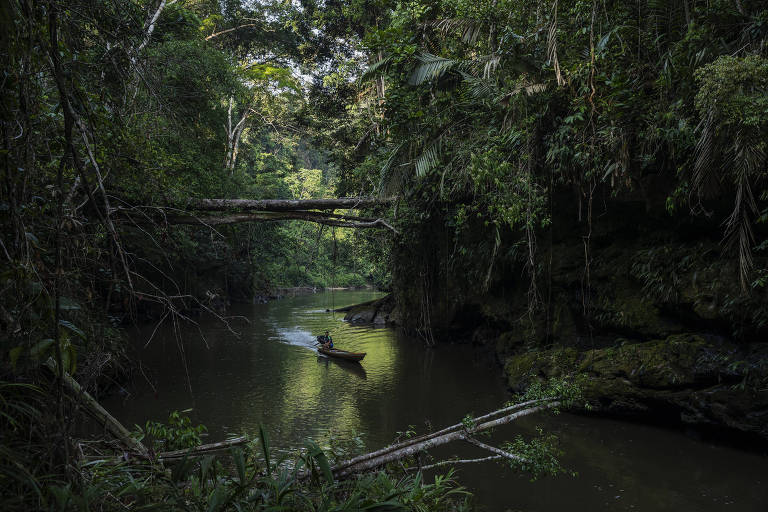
342	354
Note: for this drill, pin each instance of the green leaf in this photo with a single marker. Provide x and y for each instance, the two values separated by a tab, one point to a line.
41	349
69	325
181	471
239	460
317	453
264	438
69	358
385	506
205	467
217	498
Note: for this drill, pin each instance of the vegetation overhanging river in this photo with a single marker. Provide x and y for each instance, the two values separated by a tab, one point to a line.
272	375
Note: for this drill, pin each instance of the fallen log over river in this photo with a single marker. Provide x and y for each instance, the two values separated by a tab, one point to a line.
214	212
459	432
287	205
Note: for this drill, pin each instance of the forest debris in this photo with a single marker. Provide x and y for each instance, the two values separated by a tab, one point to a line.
200	450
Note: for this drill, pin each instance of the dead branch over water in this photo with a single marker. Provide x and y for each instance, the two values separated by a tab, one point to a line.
459	432
235	211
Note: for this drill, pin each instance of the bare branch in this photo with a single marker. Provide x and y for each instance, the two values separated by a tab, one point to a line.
217	34
150	26
452	462
201	450
493	449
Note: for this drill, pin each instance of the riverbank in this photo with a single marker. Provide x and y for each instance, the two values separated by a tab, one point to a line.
684	380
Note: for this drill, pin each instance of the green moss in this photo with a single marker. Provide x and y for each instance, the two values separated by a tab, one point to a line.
672	363
523	369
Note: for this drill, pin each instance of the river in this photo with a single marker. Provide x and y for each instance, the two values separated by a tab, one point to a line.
269	373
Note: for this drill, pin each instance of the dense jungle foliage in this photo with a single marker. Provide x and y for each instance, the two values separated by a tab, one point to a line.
553	161
511	123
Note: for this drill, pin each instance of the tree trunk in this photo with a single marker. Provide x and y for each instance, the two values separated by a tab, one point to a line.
456	432
284	205
99	413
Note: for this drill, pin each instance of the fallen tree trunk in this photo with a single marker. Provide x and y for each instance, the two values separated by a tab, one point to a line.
317	217
457	432
159	215
285	205
197	451
201	450
453	428
99	413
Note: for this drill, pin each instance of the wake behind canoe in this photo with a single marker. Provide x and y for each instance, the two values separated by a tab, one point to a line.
341	354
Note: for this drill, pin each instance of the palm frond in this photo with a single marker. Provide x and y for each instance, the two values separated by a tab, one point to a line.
376	68
704	177
430	67
527	89
428	159
470	29
390	160
552	46
479	87
491	64
746	158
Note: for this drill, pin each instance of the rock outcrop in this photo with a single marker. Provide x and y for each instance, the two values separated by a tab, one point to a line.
378	311
648	305
684	378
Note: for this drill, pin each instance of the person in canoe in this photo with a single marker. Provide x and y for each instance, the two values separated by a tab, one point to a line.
326	341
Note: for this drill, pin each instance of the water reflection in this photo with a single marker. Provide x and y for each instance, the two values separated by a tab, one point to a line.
351	367
272	374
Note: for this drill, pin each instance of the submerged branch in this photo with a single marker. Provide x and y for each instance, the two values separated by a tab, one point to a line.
201	450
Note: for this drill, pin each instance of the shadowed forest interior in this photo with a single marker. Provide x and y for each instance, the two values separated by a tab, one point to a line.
511	208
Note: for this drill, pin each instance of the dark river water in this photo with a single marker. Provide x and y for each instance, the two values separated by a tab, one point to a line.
271	374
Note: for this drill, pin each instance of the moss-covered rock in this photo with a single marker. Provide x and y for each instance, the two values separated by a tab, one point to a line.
683	376
522	369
